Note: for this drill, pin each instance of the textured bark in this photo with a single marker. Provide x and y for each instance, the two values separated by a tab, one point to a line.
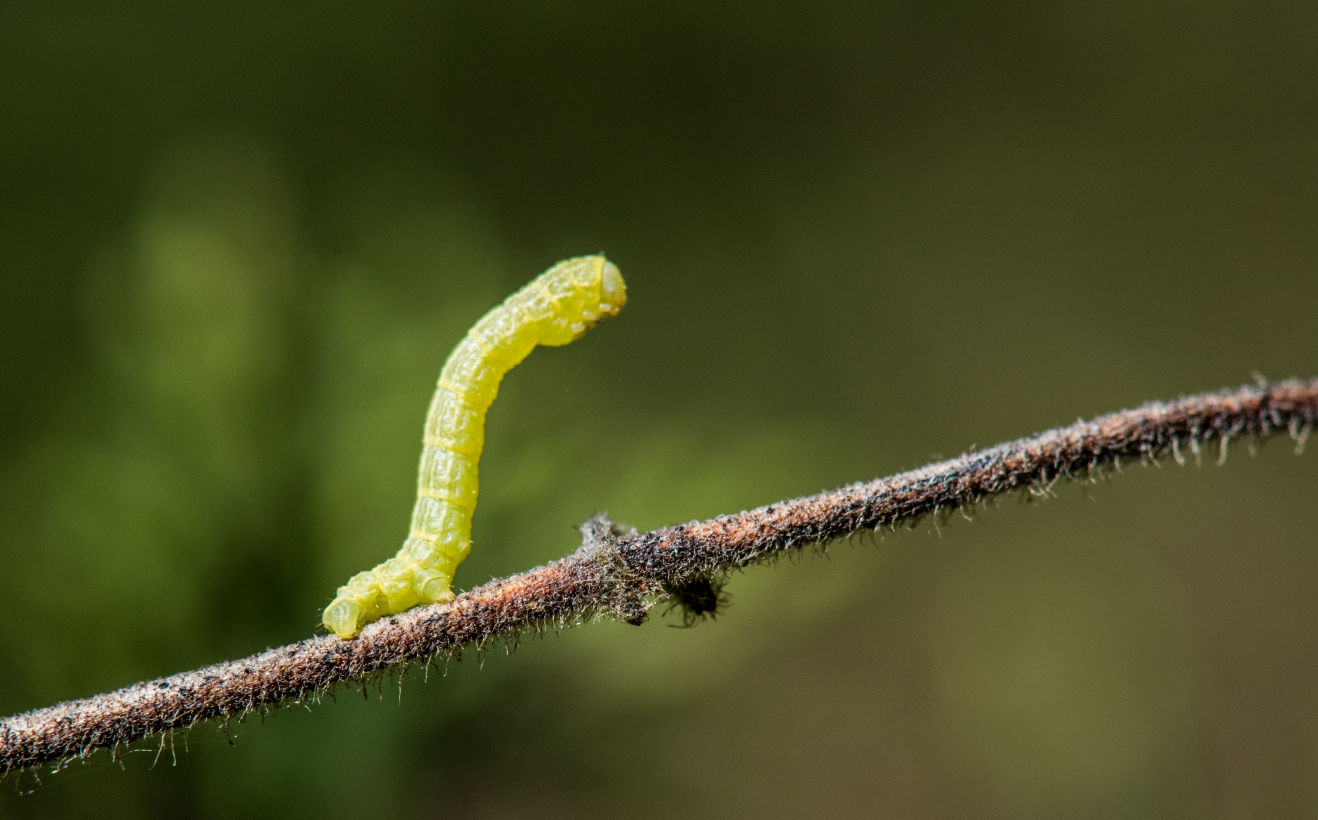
621	574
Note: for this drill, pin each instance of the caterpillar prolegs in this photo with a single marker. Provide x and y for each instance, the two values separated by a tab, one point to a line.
555	308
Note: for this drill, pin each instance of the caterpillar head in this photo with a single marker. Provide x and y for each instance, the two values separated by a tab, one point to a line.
613	291
582	291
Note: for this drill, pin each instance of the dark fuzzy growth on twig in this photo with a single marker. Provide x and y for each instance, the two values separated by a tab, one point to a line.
700	597
618	574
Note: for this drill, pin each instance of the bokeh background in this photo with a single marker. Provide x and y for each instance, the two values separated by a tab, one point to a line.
238	241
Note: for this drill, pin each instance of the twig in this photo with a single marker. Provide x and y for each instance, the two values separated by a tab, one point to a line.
620	575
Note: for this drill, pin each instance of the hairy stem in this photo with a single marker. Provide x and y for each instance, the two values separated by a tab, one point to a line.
621	574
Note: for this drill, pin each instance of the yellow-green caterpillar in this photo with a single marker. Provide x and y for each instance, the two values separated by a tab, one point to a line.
555	308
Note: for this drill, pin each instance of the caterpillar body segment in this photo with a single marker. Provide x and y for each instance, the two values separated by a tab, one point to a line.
553	309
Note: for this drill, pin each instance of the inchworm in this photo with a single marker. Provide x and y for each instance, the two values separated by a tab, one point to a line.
555	308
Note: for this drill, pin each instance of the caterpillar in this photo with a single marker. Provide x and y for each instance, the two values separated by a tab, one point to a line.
555	308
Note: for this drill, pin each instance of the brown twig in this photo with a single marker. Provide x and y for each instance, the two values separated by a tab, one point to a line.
621	574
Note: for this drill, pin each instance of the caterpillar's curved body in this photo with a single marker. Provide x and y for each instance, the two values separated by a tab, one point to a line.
553	309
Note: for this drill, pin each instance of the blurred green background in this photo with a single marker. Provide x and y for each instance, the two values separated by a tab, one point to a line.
238	242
